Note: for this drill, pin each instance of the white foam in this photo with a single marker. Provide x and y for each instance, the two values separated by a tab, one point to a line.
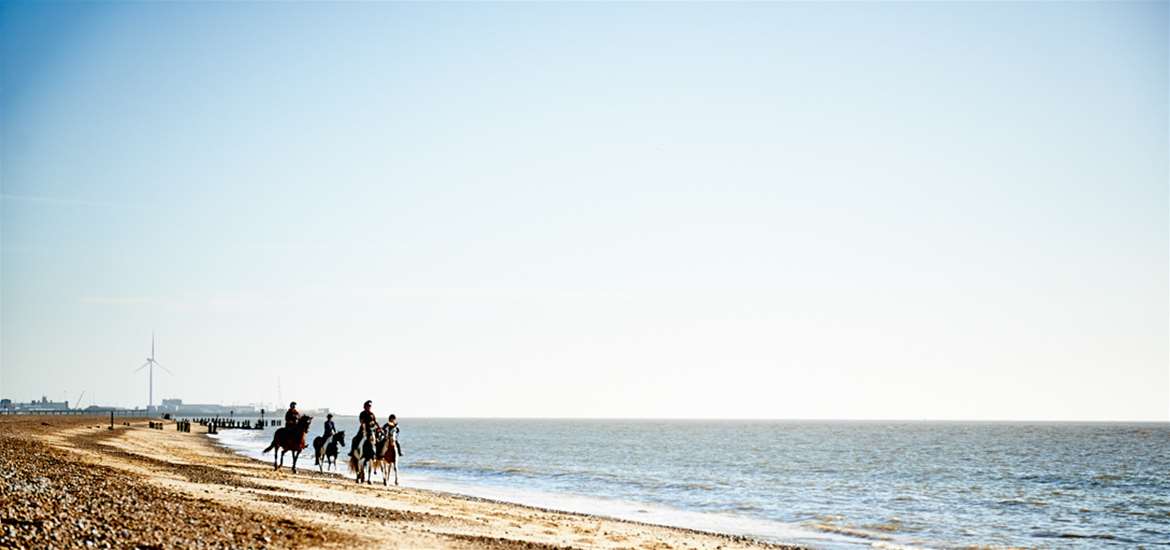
246	442
641	512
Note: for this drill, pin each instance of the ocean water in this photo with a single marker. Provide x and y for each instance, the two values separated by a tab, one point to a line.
826	484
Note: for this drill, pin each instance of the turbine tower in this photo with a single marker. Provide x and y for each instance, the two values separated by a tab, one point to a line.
150	362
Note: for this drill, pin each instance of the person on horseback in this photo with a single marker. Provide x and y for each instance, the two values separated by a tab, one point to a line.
292	415
367	422
330	428
391	428
290	438
326	445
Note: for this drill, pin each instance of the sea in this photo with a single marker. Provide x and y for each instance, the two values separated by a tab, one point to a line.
822	484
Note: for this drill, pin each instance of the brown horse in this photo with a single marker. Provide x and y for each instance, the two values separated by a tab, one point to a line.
289	439
387	459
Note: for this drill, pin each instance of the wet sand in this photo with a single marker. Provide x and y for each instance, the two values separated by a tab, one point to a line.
72	482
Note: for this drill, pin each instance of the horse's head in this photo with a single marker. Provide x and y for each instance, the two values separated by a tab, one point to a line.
303	423
385	442
339	438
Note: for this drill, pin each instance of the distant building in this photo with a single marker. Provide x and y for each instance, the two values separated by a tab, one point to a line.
42	405
177	406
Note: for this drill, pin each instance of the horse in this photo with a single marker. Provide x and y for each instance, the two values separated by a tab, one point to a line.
326	453
361	457
289	439
387	458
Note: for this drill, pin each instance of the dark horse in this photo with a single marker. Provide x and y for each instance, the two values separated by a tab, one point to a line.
361	457
327	453
289	439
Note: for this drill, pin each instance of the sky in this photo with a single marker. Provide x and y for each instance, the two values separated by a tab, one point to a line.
701	210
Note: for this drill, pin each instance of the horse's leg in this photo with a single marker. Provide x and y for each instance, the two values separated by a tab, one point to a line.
275	452
295	455
395	471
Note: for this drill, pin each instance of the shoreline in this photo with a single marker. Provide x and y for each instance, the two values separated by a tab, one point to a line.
276	509
636	512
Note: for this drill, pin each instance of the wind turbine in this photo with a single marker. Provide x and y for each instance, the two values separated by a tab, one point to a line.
150	362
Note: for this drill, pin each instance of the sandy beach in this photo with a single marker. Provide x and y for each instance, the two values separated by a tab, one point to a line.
73	482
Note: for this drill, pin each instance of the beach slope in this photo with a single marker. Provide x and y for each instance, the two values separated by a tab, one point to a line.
73	482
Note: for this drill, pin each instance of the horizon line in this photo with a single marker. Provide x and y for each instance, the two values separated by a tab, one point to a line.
773	419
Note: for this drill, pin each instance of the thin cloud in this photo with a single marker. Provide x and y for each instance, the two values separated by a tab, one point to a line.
62	201
120	301
127	301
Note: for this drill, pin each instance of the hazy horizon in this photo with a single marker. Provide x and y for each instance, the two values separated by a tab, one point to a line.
886	211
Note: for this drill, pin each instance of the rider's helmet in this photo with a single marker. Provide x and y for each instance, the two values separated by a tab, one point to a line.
292	405
367	403
330	415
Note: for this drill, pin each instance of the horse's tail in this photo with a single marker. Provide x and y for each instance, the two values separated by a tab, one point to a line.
275	438
353	464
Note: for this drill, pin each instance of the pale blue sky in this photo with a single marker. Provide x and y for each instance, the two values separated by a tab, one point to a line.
669	210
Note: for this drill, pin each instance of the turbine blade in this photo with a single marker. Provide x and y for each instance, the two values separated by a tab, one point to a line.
162	367
142	367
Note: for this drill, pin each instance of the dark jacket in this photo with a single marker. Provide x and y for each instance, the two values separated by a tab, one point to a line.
367	420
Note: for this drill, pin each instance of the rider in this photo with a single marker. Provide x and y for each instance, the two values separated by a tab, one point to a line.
391	427
367	422
330	429
292	415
